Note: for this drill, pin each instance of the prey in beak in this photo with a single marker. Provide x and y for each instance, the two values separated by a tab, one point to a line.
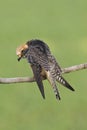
21	51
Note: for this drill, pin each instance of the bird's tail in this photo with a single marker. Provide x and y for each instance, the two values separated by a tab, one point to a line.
53	84
56	92
62	81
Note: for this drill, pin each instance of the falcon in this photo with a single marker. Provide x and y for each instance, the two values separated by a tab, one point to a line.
43	64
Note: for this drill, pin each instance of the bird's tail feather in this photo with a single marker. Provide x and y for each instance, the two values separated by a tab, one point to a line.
53	84
56	92
62	81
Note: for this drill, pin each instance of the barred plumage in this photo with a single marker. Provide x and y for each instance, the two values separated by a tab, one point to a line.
43	64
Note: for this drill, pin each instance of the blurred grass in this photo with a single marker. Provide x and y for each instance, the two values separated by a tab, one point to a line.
63	25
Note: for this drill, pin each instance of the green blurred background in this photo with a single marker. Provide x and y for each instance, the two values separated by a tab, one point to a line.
62	24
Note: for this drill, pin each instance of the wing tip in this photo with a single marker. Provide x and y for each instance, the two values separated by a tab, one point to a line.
43	97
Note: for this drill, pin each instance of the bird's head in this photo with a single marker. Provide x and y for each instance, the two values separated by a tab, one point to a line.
21	51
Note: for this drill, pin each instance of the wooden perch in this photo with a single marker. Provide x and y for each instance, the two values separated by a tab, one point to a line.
27	79
74	68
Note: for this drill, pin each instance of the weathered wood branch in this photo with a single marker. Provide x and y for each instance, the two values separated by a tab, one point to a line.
74	68
27	79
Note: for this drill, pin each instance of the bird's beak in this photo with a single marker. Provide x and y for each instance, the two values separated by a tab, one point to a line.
19	58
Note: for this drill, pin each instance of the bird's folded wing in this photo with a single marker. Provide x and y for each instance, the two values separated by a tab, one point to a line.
39	56
38	78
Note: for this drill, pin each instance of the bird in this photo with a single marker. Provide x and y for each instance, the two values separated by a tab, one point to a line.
43	65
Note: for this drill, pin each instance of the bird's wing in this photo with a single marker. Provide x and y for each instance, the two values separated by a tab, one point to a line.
54	64
39	56
38	78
